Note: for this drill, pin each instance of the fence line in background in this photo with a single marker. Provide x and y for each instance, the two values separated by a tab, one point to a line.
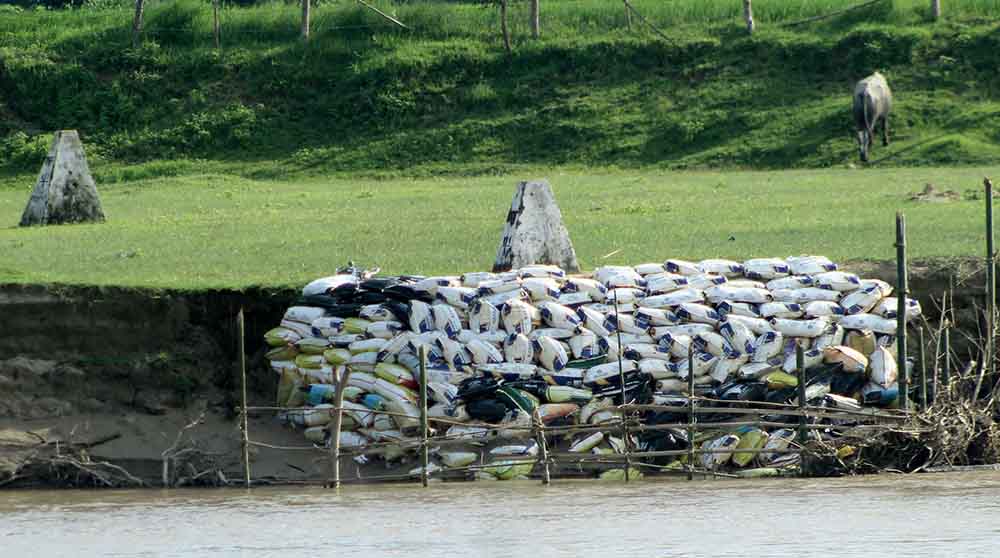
138	31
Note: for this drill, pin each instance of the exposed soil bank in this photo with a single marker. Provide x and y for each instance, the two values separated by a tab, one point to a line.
80	364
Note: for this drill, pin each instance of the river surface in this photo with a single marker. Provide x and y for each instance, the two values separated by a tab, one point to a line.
926	515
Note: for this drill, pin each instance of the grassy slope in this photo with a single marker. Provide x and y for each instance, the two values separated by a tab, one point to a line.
223	231
443	98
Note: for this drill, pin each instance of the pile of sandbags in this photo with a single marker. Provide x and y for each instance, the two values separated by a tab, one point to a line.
535	344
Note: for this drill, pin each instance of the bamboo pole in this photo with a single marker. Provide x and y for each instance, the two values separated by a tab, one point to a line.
621	378
901	293
989	349
140	6
691	415
813	412
536	420
338	420
946	375
503	26
424	429
215	23
533	20
748	16
245	423
921	361
306	16
800	371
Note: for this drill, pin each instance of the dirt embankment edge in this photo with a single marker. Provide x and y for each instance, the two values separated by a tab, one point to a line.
132	368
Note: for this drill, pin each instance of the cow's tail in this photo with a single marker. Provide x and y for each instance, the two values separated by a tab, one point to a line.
864	110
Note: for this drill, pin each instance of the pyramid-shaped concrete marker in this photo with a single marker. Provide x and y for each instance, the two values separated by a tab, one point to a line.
534	233
65	191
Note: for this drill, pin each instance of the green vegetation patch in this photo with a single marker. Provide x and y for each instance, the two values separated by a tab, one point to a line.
219	230
366	97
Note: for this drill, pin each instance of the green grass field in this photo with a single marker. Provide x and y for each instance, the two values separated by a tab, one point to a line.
442	98
224	231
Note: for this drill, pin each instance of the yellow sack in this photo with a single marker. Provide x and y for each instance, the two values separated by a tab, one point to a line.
281	336
287	352
780	380
356	325
309	361
337	356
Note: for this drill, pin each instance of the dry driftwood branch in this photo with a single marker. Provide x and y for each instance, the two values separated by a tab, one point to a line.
184	455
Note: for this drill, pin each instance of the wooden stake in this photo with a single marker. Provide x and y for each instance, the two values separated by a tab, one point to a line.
748	16
936	9
245	426
901	293
621	378
137	23
215	23
922	362
989	349
338	420
306	9
628	17
800	371
691	414
424	429
946	377
503	26
535	31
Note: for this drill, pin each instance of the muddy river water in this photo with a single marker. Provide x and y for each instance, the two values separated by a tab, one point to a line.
921	515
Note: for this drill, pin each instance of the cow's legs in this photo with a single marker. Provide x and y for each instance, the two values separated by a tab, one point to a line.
885	130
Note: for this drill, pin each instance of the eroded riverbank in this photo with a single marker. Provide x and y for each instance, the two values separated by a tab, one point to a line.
131	369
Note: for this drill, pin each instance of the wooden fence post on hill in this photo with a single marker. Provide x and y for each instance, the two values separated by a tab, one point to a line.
306	8
137	23
215	22
748	15
535	28
503	26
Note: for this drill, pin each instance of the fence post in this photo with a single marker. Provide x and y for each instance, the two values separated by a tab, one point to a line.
215	23
621	378
424	429
691	416
800	371
338	419
535	29
936	9
245	426
921	360
991	288
628	17
503	26
137	23
748	15
306	9
901	294
946	376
